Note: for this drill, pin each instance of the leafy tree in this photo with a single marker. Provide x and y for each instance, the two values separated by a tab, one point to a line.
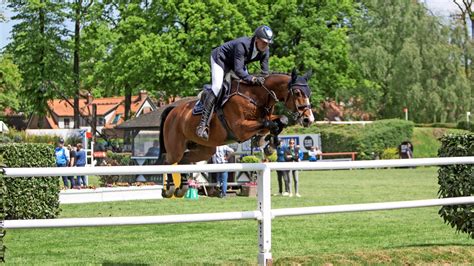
314	36
40	51
10	83
407	55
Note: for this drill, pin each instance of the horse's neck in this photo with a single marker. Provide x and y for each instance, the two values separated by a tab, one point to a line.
275	83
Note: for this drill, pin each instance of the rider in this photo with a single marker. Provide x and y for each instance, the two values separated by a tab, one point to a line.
233	56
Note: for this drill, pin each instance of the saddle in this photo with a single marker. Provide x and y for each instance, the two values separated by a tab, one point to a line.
220	101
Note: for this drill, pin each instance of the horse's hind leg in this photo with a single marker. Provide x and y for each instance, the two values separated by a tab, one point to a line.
170	188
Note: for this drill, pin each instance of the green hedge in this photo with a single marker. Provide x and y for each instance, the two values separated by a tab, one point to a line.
29	197
465	125
2	218
457	181
369	140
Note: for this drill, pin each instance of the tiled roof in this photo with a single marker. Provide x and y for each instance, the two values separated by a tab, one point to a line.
152	119
104	105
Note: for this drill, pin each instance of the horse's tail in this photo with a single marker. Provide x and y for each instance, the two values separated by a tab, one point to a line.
164	115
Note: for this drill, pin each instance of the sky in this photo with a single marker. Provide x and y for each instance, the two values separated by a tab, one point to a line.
441	8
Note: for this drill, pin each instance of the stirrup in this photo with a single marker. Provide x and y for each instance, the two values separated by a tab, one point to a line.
202	132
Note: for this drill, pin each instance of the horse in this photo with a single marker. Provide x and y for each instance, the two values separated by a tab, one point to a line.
247	112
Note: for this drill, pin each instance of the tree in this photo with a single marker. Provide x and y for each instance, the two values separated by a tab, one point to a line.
39	50
314	36
79	8
10	83
407	55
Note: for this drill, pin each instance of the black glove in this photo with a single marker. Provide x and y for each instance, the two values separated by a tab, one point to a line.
258	80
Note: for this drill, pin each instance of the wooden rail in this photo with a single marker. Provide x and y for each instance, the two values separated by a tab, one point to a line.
352	154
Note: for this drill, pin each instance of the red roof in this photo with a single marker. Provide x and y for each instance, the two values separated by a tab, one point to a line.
104	105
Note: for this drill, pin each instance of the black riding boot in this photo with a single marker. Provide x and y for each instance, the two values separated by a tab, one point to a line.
203	129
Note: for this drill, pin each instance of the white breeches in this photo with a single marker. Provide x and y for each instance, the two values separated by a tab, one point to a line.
218	77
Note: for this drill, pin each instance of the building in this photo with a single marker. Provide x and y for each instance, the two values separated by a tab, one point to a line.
110	112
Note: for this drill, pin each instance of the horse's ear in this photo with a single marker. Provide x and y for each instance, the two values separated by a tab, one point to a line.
293	74
308	74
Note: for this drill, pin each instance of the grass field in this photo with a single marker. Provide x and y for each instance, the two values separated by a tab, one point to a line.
426	140
409	236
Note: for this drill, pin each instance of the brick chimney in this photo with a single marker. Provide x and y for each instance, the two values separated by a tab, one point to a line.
143	95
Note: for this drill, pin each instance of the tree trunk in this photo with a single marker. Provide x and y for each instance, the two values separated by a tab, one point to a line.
77	41
128	101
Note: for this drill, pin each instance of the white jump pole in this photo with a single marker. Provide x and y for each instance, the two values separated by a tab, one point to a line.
265	223
162	169
372	206
133	220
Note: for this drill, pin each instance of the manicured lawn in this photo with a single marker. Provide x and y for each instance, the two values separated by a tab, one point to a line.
410	236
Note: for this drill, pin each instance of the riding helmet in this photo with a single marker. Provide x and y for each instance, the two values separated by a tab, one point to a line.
264	33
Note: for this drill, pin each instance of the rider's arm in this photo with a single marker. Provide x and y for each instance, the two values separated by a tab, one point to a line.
239	64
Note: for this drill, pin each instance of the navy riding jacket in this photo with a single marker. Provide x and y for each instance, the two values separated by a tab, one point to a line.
236	54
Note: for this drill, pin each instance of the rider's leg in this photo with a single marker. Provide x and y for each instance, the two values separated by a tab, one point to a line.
209	100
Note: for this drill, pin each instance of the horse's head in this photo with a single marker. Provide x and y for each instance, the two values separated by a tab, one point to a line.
298	100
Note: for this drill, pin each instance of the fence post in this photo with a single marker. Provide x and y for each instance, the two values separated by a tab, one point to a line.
265	223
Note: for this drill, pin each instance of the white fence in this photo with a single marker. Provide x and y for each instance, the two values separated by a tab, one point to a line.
264	214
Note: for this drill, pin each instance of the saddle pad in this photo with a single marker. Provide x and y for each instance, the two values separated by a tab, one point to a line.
221	99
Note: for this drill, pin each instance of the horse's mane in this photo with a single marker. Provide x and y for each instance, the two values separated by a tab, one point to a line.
271	73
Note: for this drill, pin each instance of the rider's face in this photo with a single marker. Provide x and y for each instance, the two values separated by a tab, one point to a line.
261	44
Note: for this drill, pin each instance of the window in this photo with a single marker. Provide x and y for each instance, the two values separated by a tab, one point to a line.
116	119
67	123
101	121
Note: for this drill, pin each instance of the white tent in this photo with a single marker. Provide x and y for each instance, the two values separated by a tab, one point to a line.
3	127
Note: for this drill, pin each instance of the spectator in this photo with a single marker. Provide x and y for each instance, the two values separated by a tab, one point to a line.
72	163
409	151
292	155
314	153
282	175
62	159
154	150
222	155
81	162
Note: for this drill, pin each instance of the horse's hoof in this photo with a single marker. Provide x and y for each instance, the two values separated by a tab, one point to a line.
180	192
168	193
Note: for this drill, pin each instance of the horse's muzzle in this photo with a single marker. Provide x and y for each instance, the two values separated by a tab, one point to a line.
306	121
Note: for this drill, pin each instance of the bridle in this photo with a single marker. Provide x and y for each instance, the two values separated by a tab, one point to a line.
300	108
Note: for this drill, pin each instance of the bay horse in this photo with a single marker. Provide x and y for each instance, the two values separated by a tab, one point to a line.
247	112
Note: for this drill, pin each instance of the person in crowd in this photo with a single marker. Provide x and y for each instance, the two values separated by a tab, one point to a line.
292	155
81	162
72	163
222	155
409	151
62	158
282	175
154	150
314	153
232	57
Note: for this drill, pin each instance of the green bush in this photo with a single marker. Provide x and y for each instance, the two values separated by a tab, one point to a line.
2	218
390	153
29	197
457	181
122	159
368	140
465	125
250	159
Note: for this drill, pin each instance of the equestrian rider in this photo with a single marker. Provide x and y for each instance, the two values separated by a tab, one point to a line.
233	56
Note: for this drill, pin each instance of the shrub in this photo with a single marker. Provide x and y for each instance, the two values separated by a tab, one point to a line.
457	181
465	125
29	197
122	159
250	159
368	140
390	153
